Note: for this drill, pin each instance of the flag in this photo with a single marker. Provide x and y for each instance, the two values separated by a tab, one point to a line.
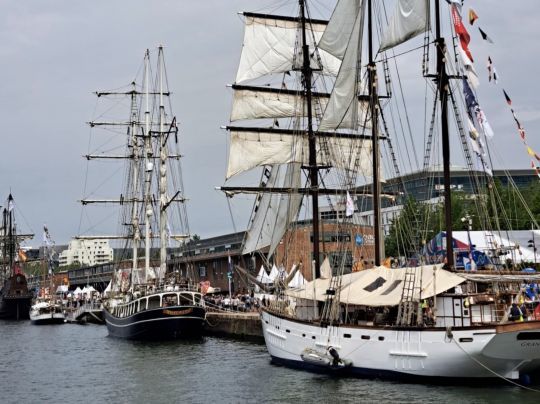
484	36
22	256
349	209
508	100
472	16
521	133
469	69
461	31
491	71
474	110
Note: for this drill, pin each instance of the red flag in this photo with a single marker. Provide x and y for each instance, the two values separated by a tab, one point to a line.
472	16
508	100
461	31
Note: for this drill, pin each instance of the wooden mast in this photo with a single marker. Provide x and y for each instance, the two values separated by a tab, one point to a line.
313	170
374	107
442	83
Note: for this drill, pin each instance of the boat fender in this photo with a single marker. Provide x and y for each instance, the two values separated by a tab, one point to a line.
336	359
449	333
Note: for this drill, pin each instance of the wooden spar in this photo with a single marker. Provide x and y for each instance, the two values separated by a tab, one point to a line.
313	169
442	83
374	102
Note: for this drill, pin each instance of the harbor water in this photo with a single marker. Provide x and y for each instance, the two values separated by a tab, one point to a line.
81	364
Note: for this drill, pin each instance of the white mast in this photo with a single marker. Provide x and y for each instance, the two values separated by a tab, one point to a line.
148	165
162	170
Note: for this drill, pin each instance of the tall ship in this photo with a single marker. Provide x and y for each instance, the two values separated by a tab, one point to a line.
47	307
333	108
15	298
144	300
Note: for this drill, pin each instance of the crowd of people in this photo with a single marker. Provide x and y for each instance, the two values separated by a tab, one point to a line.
238	302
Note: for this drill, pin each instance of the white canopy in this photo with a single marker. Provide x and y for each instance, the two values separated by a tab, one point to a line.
77	291
381	286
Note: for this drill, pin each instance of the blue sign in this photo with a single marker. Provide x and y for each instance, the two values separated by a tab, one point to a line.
359	240
229	275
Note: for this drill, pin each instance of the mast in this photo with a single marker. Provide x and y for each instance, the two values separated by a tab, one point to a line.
313	171
442	83
134	212
162	170
148	166
374	107
11	246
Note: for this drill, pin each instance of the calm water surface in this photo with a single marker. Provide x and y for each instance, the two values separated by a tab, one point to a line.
80	364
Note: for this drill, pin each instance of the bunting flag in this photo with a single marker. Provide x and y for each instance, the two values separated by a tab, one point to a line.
472	16
508	100
485	37
522	135
461	31
491	71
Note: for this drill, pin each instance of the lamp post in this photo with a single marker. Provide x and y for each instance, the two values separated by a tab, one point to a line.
532	244
467	225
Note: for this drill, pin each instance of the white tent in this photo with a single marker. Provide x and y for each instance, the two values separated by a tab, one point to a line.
515	243
263	276
274	273
297	281
61	289
77	291
380	286
88	290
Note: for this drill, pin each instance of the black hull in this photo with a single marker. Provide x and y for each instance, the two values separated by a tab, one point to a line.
15	308
158	324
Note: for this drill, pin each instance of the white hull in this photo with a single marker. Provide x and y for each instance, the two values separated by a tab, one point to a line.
44	313
390	352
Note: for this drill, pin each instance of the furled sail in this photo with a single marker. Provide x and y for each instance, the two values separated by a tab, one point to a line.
340	112
269	47
253	147
410	18
275	211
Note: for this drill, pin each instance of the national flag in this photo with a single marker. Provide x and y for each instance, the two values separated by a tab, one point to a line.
508	100
485	37
472	16
461	31
349	208
474	110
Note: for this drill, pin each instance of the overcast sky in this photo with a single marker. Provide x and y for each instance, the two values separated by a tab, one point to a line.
55	53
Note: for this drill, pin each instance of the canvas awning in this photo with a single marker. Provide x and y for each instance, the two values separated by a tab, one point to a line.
381	286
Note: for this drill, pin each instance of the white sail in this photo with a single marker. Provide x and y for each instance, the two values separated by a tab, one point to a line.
410	18
339	29
263	103
340	112
275	211
250	149
269	47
